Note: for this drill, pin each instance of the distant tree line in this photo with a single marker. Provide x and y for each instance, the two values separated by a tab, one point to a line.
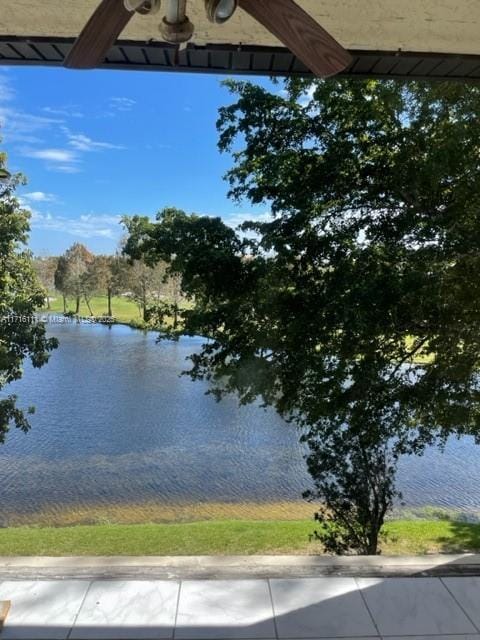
79	274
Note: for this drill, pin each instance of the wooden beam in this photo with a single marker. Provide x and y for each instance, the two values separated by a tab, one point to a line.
300	33
99	35
4	609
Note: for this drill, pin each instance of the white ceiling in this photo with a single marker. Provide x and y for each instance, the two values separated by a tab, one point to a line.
439	26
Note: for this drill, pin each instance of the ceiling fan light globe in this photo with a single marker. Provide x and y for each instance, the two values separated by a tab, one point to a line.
219	11
143	7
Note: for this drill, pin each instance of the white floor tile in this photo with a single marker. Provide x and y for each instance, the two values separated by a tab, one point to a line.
413	607
41	609
320	608
461	637
225	609
133	609
466	591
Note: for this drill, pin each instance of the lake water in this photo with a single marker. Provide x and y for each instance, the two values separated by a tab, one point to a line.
116	425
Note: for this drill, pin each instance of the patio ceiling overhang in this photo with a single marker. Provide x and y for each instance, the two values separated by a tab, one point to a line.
387	38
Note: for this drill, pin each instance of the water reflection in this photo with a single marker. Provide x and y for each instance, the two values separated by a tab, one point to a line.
115	424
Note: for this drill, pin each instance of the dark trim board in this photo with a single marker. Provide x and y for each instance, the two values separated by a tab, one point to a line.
243	60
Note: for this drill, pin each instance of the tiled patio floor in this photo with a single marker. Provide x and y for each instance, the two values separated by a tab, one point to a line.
326	607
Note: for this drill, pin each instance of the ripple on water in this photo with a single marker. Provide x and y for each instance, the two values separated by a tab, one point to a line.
116	427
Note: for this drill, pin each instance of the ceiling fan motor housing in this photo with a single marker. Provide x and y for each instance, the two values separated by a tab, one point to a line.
176	32
285	19
176	27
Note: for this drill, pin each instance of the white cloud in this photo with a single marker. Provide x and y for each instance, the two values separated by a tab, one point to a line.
20	126
85	226
68	160
122	104
307	97
62	160
64	168
234	220
32	130
69	111
7	92
40	196
81	142
52	155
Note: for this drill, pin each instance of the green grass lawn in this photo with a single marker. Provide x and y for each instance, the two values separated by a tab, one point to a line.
124	310
431	536
228	537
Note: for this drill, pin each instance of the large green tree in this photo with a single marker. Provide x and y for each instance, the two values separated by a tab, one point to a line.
111	276
74	275
146	284
45	268
354	310
21	338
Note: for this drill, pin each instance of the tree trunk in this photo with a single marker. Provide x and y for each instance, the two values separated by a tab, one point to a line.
64	304
109	296
175	316
77	308
87	302
144	307
48	301
373	543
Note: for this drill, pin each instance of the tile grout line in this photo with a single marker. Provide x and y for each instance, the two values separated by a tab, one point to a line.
459	605
273	608
176	610
90	582
359	589
434	636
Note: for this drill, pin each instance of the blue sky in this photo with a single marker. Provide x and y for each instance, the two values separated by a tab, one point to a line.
100	144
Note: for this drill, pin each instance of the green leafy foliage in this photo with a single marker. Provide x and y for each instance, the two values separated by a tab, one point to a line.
20	296
354	310
75	274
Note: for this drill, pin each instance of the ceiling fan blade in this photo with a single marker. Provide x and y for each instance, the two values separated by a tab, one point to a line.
298	31
99	34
